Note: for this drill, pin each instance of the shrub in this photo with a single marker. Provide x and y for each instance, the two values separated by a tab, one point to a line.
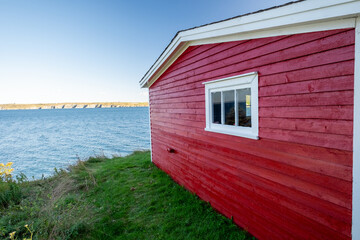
5	171
10	191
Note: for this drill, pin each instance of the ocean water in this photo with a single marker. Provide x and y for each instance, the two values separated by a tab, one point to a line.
37	141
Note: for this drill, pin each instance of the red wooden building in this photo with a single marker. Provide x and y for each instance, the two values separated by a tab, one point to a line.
259	115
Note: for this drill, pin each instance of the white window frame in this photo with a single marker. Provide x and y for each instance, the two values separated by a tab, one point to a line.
248	80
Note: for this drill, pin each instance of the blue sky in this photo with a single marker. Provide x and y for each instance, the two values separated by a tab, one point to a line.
94	50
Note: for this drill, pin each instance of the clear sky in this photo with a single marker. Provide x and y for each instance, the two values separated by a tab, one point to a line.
94	50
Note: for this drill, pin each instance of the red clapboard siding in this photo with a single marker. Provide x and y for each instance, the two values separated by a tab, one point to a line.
180	105
287	149
322	112
295	182
213	49
340	127
180	116
307	86
208	163
261	155
244	47
251	222
256	59
282	48
317	139
327	71
274	152
339	98
336	184
232	177
311	86
307	61
216	195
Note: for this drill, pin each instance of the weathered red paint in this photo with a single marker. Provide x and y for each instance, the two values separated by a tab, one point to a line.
295	181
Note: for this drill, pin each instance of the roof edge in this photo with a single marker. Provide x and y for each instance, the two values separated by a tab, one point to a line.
287	15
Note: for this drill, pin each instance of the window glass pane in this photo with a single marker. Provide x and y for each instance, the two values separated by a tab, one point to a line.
216	107
243	102
229	105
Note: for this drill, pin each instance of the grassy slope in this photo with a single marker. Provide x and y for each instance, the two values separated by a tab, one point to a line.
120	198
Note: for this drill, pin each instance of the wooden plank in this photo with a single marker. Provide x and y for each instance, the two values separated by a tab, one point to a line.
289	47
341	142
205	52
335	69
327	70
324	154
279	149
179	99
191	92
335	184
345	82
318	112
227	204
179	116
333	55
192	52
187	111
226	183
276	152
311	201
328	84
253	179
309	125
267	158
315	138
194	105
308	61
312	86
225	51
175	87
334	156
251	221
286	88
252	59
179	121
188	53
309	99
326	220
337	98
219	195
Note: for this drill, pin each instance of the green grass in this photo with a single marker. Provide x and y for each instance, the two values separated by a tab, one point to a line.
119	198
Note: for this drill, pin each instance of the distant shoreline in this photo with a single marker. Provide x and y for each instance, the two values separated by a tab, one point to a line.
72	105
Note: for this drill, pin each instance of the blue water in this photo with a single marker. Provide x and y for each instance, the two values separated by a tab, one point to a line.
37	141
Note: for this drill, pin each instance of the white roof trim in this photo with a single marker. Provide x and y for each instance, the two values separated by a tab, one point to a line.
311	27
305	16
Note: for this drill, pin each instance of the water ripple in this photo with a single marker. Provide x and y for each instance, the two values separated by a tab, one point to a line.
37	141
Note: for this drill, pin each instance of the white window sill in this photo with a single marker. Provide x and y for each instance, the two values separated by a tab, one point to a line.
239	134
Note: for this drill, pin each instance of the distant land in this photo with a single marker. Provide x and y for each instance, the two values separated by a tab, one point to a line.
72	105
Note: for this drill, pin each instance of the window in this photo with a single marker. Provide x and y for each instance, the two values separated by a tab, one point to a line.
232	105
